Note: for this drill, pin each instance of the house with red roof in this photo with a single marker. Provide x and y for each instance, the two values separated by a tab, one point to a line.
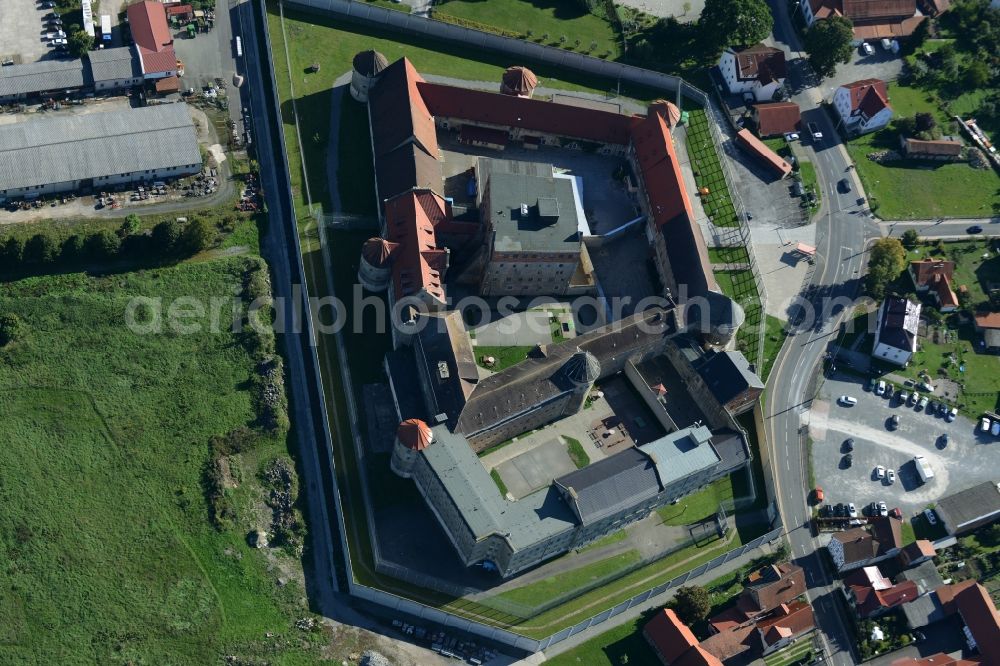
872	19
987	325
776	118
933	277
673	642
872	594
148	22
863	106
759	70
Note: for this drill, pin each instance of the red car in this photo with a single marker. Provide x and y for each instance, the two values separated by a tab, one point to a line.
818	495
896	513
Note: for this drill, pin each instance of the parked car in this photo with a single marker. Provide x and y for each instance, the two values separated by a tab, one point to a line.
48	4
818	494
942	409
890	476
844	185
974	229
903	396
867	49
985	424
952	415
852	510
847	401
896	513
848	459
54	23
883	510
931	516
791	136
869	384
894	422
816	134
943	439
879	472
848	445
886	44
51	15
931	408
995	430
922	404
912	400
840	510
58	41
880	388
925	387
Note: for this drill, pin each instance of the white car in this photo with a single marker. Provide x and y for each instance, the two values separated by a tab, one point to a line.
814	131
847	401
930	516
890	476
880	389
58	42
985	424
867	49
58	34
952	415
852	510
879	472
883	510
886	44
791	136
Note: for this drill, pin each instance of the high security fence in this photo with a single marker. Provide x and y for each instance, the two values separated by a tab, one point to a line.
523	51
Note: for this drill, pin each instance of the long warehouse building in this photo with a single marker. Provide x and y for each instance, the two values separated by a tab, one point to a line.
63	153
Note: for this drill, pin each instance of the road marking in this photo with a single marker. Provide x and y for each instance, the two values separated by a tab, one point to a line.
787	465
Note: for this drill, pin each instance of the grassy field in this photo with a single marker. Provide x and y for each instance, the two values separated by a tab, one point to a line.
708	171
740	287
545	590
110	554
505	356
561	23
607	649
917	189
728	255
698	506
576	452
499	481
774	337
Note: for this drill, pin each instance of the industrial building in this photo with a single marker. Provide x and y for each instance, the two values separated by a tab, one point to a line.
65	153
42	78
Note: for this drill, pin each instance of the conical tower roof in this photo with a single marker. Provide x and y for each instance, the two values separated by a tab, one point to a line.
582	368
377	251
519	80
669	110
414	434
370	63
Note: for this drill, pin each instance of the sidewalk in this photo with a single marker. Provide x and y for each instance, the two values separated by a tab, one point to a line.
656	602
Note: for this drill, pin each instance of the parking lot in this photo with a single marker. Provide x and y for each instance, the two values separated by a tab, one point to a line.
968	458
881	64
21	32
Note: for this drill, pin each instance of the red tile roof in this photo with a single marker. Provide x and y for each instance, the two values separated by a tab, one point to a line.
529	114
924	271
697	656
668	635
918	549
859	95
519	80
776	585
419	264
376	251
414	434
871	599
148	23
946	594
939	659
760	150
731	642
761	62
888	29
987	319
398	112
777	118
789	620
947	147
661	171
822	9
180	10
861	10
980	616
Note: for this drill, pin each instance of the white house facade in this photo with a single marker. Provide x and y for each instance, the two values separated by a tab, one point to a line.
759	70
896	335
863	106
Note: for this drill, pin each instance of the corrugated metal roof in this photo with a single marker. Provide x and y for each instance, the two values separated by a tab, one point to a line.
40	76
73	147
682	453
111	64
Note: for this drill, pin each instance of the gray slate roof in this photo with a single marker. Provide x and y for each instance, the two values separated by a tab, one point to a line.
112	64
728	374
41	76
67	147
973	504
682	453
612	484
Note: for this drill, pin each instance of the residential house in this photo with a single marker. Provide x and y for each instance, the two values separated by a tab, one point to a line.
872	19
787	623
759	70
916	553
148	22
776	118
860	547
934	276
765	590
897	329
982	622
988	325
872	594
863	106
943	150
939	659
731	379
674	643
970	509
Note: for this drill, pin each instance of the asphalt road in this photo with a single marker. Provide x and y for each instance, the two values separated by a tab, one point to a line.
843	229
942	228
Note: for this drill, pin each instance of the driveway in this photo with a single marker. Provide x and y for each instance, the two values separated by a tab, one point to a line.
882	64
967	460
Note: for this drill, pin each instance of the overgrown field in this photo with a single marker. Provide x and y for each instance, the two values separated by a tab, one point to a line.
109	554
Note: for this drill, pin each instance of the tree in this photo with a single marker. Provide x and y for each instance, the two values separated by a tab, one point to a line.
79	41
72	249
924	121
40	249
11	252
692	604
828	42
198	235
130	226
910	239
991	535
166	235
735	22
887	260
977	74
12	328
102	245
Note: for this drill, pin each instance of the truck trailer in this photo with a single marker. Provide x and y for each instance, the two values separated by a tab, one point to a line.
923	468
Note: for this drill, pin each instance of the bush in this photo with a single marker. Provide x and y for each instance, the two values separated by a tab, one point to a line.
40	249
12	328
102	245
11	252
198	235
166	235
72	249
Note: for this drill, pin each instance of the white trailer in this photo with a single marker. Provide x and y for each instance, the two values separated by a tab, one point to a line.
923	468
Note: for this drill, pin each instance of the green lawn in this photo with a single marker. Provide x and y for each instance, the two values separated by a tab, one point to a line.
708	171
917	189
807	171
728	255
544	21
792	654
109	554
576	452
505	356
698	506
909	536
981	378
774	337
739	286
545	590
607	649
499	481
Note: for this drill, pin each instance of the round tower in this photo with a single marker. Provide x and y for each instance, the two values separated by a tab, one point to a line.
374	268
412	437
518	81
668	110
367	67
716	317
581	370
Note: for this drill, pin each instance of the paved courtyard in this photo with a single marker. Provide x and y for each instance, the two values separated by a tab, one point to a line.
536	467
22	32
968	458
